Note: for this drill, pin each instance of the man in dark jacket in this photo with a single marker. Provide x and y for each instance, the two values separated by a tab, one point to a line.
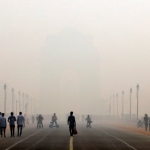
146	121
11	121
71	123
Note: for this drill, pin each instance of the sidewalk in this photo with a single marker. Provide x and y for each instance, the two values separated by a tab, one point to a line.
131	128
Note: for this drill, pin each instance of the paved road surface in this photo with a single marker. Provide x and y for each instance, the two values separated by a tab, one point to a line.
100	137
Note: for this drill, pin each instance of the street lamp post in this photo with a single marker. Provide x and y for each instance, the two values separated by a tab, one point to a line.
113	105
122	104
12	100
16	106
23	102
137	88
19	100
130	101
31	104
37	102
110	106
117	103
5	95
26	103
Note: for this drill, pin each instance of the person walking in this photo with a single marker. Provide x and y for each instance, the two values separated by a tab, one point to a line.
0	118
149	123
20	122
146	121
3	125
11	121
33	119
71	123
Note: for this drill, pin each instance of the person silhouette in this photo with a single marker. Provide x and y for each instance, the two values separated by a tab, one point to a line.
54	119
3	125
88	119
71	123
40	121
33	119
146	121
20	122
11	121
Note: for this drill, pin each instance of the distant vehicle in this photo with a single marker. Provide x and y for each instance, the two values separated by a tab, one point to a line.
52	125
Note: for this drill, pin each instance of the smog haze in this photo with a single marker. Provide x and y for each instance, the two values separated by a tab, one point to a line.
75	55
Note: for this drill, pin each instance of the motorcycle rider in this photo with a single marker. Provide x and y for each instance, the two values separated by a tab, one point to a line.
54	119
39	120
88	119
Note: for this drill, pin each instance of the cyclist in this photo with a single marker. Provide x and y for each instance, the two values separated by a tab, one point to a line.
88	119
39	120
54	119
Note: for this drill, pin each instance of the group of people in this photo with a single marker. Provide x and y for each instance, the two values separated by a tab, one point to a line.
40	119
20	122
11	119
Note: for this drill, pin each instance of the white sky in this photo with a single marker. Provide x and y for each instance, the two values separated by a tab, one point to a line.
120	30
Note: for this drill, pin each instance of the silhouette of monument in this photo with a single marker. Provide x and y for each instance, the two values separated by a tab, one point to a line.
69	73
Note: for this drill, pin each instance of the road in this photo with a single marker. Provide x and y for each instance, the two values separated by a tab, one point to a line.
99	137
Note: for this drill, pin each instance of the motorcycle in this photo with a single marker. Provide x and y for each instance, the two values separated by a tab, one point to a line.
52	125
140	123
89	124
39	126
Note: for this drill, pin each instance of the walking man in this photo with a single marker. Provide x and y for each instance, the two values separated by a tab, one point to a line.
0	118
71	123
146	121
11	121
20	122
149	123
3	125
33	119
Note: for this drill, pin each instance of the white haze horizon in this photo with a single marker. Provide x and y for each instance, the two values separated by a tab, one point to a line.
109	53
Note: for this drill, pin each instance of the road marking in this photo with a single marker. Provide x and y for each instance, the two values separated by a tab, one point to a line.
36	143
71	143
33	145
22	140
141	134
119	140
